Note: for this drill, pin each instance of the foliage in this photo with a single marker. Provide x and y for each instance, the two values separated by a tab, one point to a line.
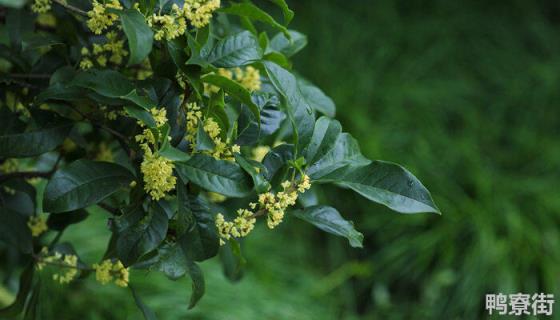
467	91
183	122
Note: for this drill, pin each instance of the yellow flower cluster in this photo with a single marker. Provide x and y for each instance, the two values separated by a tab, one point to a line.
46	20
37	225
157	170
9	166
250	79
199	12
221	150
41	6
67	262
238	228
99	18
273	205
168	26
108	271
113	49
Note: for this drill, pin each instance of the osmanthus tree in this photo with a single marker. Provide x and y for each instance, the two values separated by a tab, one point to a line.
181	119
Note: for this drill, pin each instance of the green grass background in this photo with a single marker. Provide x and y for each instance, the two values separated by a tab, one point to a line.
463	93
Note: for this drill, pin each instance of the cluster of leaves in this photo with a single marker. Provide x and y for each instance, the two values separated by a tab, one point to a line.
58	121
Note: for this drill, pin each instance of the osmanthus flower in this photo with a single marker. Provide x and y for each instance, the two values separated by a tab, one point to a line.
168	26
249	78
38	225
271	204
199	12
156	170
41	6
66	265
99	18
109	271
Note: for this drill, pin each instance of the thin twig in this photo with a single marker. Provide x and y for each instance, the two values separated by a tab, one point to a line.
31	174
71	8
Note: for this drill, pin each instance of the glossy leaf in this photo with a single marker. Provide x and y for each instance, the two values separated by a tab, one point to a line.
14	230
388	184
316	98
300	113
60	221
140	232
33	143
235	90
329	220
148	313
286	11
288	46
237	50
259	181
84	183
171	261
198	284
139	34
252	12
219	176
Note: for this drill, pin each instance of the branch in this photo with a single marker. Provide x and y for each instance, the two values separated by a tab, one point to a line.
29	75
31	174
71	8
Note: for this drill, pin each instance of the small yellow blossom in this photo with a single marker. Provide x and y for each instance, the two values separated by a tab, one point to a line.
108	271
193	116
158	175
199	12
86	64
240	227
41	6
216	197
67	263
159	115
99	19
168	26
249	78
9	166
37	225
132	184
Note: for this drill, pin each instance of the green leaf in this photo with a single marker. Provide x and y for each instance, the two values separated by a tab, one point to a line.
316	98
14	230
171	261
60	221
300	113
388	184
139	34
141	114
148	313
84	183
203	141
254	13
198	284
329	220
232	260
25	284
140	232
33	143
261	185
277	158
288	46
236	50
330	149
235	90
197	234
249	130
288	14
221	176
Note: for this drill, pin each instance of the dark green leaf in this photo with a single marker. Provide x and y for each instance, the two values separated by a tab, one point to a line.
13	3
84	183
316	98
236	50
140	232
329	220
197	233
171	261
14	230
60	221
203	141
235	90
141	114
388	184
254	13
277	158
232	260
221	176
33	143
259	181
139	34
25	284
288	14
198	284
300	113
288	46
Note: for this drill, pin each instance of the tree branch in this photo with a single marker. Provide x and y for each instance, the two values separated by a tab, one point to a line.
71	8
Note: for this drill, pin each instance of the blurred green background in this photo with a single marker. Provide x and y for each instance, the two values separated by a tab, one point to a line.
463	93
